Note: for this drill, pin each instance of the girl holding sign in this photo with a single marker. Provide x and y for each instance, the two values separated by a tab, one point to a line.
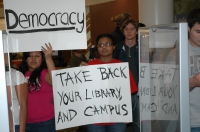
105	46
36	67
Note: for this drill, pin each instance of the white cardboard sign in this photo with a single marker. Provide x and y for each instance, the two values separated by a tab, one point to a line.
159	91
92	94
32	23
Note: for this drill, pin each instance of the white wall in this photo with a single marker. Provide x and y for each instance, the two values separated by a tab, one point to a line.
155	12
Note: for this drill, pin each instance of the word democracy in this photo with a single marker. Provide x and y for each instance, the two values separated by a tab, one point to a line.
52	22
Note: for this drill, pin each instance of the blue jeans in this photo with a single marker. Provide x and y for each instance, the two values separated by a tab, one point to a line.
16	128
136	112
195	129
117	127
46	126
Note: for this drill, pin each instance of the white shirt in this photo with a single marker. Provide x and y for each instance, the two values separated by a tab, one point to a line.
194	68
17	78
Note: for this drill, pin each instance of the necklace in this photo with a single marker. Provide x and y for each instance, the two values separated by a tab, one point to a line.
129	52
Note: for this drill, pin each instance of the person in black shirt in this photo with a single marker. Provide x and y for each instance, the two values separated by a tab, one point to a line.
127	51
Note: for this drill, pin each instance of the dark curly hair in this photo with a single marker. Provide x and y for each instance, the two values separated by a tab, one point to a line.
193	17
105	35
35	75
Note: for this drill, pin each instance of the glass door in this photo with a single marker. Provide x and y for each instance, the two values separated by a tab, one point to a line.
4	127
163	78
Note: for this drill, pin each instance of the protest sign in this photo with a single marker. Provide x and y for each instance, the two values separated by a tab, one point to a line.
30	24
92	94
159	91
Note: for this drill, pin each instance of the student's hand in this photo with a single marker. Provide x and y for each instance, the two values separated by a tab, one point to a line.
47	51
126	122
92	59
194	81
83	64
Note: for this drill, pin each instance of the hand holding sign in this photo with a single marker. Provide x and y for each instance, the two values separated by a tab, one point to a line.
49	61
83	64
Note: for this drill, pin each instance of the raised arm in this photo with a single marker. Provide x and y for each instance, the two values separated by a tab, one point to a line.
50	64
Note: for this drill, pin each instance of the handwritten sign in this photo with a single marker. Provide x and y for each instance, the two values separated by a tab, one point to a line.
92	94
159	91
30	24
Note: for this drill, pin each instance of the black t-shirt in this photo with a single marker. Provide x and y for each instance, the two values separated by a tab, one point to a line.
132	57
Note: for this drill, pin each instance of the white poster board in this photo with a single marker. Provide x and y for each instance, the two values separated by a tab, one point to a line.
92	94
32	23
159	91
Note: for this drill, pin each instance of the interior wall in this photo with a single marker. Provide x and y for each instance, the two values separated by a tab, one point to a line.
66	54
101	15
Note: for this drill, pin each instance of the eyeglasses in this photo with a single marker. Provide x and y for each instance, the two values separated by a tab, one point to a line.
107	44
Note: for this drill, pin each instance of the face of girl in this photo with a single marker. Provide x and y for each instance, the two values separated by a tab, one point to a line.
34	60
105	47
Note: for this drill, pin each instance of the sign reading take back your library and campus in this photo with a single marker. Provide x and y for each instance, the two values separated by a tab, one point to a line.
32	23
92	94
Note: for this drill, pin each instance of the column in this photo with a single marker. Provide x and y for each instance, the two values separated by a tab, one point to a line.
155	12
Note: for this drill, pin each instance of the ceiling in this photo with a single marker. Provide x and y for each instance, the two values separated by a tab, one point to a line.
94	2
87	2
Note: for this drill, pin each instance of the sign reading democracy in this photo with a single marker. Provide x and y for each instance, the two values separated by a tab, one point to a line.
92	94
30	24
159	91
